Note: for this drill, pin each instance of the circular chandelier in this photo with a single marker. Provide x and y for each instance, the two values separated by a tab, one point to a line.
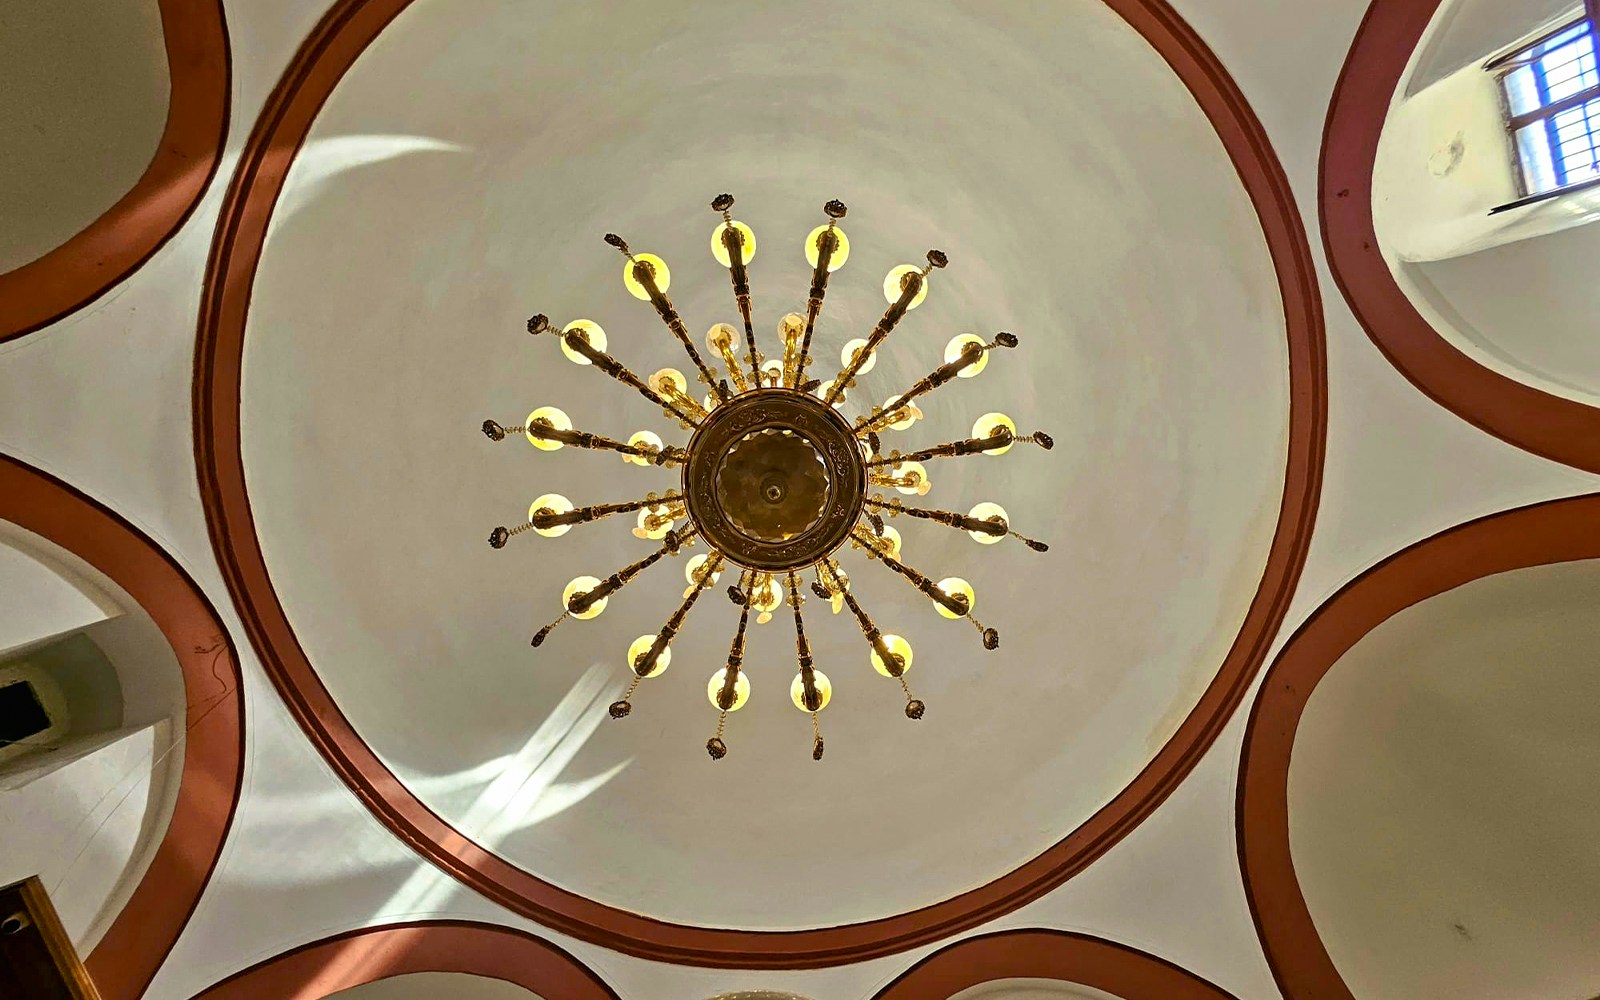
775	480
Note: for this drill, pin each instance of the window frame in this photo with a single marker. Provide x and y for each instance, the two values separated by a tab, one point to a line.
1501	66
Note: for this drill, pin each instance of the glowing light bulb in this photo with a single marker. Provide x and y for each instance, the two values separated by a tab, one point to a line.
645	531
721	337
822	390
897	646
921	487
984	512
772	371
985	426
909	413
841	248
661	379
797	690
889	542
643	439
554	502
848	355
747	251
792	328
663	276
582	585
893	285
741	690
694	569
555	418
591	332
958	343
766	599
952	586
642	646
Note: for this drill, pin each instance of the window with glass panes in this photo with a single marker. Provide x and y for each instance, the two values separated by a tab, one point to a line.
1552	93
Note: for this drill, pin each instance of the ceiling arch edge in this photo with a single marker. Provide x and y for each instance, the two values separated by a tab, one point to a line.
113	246
328	52
141	936
322	967
1548	425
1042	954
1551	532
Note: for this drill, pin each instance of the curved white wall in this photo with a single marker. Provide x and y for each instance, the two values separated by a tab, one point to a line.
437	986
86	91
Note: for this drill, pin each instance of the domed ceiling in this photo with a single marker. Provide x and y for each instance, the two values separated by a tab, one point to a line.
1086	205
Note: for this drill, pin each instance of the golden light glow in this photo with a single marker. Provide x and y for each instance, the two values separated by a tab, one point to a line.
591	332
582	585
645	439
797	690
693	570
984	512
909	414
953	585
555	418
893	285
644	530
921	486
792	328
741	689
958	343
889	541
556	503
848	355
897	646
841	249
721	337
663	276
669	377
642	646
719	251
985	426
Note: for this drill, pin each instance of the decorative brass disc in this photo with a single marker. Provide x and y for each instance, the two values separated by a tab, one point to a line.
775	479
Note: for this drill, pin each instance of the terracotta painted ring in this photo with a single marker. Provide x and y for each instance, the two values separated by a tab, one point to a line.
323	967
1056	955
327	53
813	421
138	940
1551	532
1555	427
85	267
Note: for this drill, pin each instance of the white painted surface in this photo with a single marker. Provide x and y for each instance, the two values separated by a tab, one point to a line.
1033	989
88	830
41	596
1144	299
1443	796
1399	468
1469	32
86	91
436	986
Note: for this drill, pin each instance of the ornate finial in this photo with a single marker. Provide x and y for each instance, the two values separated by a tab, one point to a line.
817	588
915	708
493	431
816	749
722	202
540	636
1006	339
937	258
620	709
716	748
498	538
811	385
877	524
538	323
737	596
991	639
1037	546
1043	440
835	209
874	442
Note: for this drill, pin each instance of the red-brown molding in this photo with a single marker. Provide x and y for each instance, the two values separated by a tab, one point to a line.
113	246
140	937
1059	955
1549	425
324	967
247	208
1551	532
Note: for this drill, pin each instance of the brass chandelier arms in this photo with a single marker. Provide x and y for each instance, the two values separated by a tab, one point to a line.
774	479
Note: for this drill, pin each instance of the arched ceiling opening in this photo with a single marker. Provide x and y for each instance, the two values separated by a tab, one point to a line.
434	986
1165	501
1442	791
